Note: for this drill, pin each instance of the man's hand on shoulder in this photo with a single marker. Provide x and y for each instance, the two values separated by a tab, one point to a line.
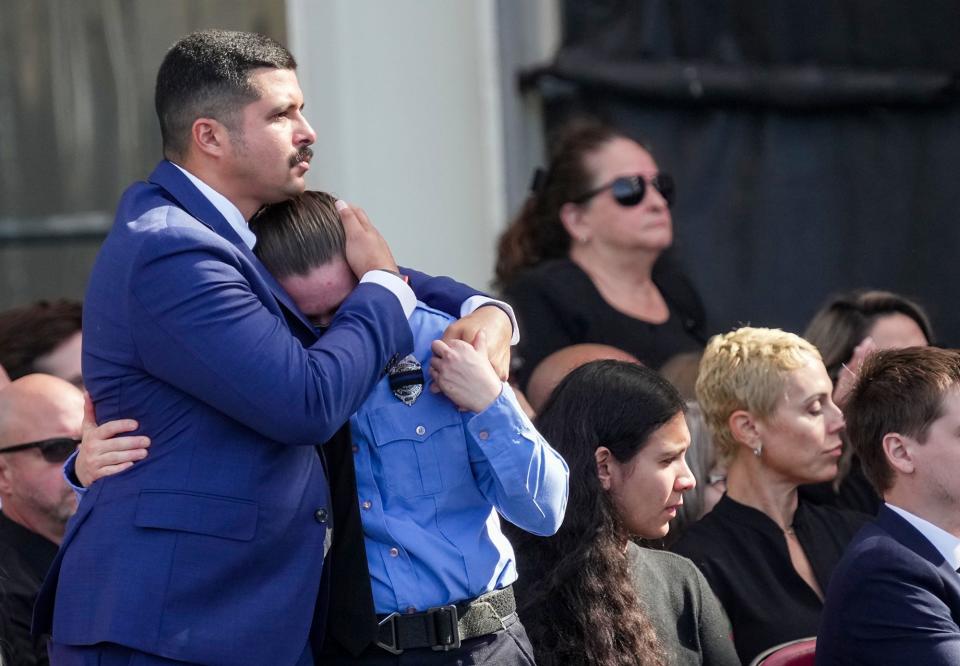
498	329
366	248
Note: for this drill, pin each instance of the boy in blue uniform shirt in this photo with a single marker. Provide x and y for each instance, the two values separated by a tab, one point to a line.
440	446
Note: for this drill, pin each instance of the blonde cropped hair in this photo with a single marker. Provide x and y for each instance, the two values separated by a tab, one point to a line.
746	369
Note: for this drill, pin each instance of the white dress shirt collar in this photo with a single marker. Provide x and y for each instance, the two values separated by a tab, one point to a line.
230	213
947	544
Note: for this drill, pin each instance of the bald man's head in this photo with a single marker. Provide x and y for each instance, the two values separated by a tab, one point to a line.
37	408
560	363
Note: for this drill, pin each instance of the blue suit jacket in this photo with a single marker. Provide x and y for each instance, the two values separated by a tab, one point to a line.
211	549
893	599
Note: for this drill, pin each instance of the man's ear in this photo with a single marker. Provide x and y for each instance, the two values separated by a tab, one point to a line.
6	476
209	136
571	216
743	427
604	462
899	452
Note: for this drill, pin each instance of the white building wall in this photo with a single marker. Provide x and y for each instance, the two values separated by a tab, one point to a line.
408	100
406	103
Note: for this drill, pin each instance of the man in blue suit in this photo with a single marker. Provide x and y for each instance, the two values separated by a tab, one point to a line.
211	550
895	596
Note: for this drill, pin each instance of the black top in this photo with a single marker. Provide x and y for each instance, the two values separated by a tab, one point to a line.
24	559
856	493
743	555
557	305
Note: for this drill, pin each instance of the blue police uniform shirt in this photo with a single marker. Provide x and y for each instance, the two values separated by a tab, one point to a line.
431	481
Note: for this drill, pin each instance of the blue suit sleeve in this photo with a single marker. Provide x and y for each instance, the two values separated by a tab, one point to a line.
440	293
516	469
199	326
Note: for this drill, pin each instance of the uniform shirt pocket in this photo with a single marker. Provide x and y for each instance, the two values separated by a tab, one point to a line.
421	448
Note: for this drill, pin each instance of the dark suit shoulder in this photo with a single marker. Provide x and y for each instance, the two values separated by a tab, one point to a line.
875	552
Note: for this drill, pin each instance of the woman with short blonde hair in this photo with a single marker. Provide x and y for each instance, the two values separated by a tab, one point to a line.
767	400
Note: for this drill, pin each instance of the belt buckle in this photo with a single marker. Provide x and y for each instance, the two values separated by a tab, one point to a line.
392	648
451	609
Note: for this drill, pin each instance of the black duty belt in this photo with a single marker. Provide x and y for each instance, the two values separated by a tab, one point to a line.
444	627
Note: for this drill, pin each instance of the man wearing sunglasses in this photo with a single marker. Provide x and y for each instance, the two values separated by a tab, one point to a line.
40	420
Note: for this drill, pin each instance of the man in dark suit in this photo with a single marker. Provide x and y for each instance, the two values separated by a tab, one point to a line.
895	596
211	550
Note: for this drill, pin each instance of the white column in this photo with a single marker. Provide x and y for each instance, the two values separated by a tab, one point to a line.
406	101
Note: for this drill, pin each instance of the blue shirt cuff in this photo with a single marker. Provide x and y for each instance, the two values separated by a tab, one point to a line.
70	475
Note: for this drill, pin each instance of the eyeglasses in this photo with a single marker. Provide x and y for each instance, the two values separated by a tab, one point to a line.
54	450
630	190
715	478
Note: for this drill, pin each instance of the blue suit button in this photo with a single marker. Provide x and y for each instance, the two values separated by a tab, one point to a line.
320	515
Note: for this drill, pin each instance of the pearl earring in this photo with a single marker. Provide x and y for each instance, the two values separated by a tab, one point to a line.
758	450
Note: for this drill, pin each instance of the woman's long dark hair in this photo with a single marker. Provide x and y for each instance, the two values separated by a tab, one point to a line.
536	233
577	599
844	321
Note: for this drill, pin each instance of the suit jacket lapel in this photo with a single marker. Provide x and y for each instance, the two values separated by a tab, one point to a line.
178	186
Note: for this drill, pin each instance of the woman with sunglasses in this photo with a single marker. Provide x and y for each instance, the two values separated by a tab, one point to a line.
580	262
591	595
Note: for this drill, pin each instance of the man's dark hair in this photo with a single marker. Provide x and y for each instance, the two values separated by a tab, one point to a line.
901	391
297	235
32	331
207	75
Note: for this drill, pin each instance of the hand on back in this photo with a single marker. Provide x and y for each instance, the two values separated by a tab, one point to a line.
103	452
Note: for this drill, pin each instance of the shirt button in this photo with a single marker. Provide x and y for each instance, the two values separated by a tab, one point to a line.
320	515
411	609
356	449
394	552
483	435
367	504
421	430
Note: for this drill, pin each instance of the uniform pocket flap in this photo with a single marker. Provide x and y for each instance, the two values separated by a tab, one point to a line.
416	423
224	517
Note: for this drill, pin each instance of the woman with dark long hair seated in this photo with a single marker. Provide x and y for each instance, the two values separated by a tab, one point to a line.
847	328
592	596
768	555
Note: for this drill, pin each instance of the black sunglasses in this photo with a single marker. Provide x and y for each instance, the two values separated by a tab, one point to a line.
630	190
54	450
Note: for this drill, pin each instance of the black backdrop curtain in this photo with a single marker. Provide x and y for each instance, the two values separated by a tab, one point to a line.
815	143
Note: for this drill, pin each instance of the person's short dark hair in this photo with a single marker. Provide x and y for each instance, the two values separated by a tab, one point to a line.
898	391
32	331
846	319
207	75
297	235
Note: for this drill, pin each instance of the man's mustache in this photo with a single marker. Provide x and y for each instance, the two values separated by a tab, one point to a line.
303	155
